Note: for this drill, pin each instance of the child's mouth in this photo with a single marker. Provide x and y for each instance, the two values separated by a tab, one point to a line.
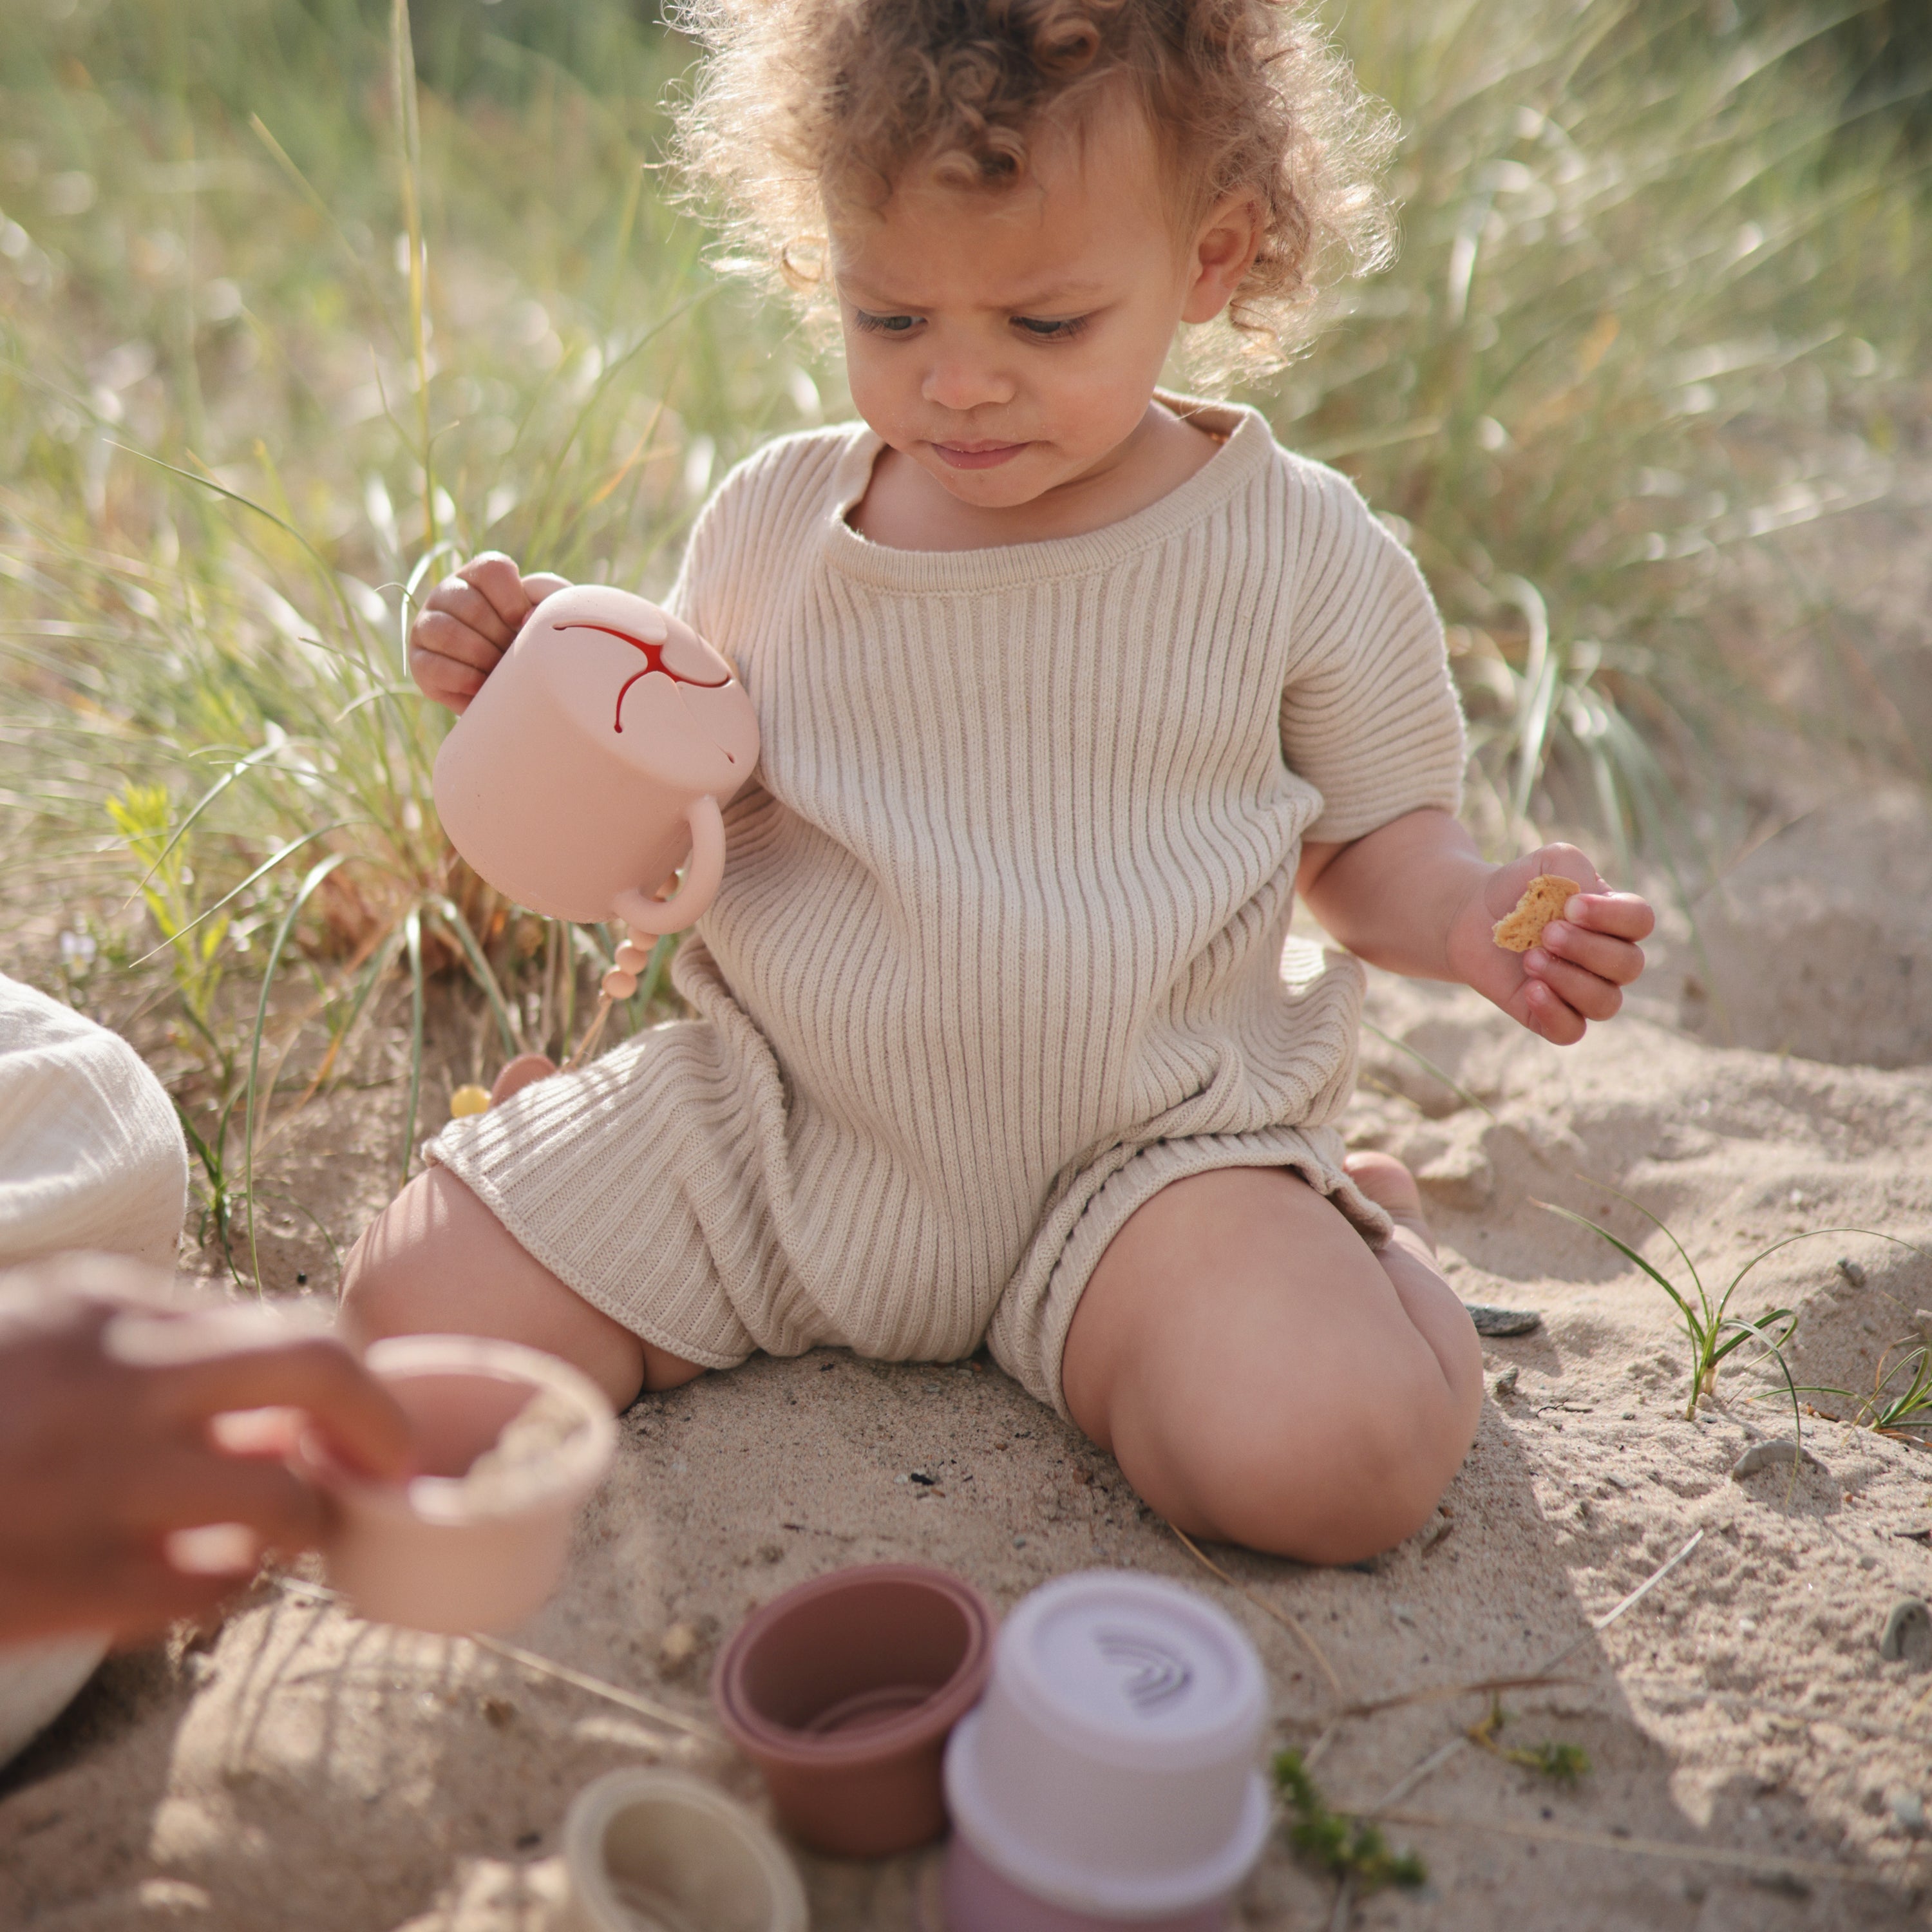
977	455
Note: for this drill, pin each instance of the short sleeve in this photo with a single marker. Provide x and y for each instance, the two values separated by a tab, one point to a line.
1369	715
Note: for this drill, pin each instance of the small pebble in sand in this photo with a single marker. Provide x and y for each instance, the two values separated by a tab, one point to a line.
1908	1810
1907	1633
1505	1384
679	1647
1851	1271
1779	1454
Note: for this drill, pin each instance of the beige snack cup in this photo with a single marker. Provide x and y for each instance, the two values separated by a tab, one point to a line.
509	1442
656	1851
596	761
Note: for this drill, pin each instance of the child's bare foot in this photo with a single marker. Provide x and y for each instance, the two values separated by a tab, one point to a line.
1392	1188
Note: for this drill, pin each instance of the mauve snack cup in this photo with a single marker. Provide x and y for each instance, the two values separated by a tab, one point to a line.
450	1551
842	1692
1109	1779
656	1851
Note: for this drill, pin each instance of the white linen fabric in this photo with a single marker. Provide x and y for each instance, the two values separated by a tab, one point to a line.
91	1156
90	1153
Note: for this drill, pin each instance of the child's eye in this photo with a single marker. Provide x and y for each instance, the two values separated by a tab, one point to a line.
1060	330
885	324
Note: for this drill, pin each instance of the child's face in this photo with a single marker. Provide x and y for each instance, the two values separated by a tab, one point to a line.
1009	344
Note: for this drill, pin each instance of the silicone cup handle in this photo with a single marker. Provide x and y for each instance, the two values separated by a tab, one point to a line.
706	872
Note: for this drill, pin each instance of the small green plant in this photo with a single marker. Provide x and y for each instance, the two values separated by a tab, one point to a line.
1890	1410
1713	1332
219	1203
1337	1843
144	814
1560	1763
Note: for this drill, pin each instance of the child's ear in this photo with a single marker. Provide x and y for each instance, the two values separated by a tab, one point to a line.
1224	250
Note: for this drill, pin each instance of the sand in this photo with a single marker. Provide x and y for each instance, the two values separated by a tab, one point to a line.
1754	1763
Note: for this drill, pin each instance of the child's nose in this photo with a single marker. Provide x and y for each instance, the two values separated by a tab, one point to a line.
966	382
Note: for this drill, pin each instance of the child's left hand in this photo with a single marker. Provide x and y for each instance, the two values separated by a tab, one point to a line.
1576	972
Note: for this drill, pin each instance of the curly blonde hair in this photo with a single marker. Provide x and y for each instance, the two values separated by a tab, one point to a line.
808	111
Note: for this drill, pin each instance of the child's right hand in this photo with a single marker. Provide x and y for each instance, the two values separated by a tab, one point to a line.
470	620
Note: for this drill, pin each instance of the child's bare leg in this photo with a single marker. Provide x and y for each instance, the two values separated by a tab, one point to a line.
436	1261
1264	1377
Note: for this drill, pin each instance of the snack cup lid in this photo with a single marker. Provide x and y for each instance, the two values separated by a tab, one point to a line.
1110	1768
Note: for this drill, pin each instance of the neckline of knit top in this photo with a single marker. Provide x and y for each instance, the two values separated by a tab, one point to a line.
1247	445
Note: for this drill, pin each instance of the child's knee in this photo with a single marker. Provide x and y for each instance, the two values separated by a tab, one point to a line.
1330	1480
382	1293
437	1261
419	1265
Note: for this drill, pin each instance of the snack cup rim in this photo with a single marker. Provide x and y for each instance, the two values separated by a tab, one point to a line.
759	1738
1020	1673
1056	1882
563	1475
597	1806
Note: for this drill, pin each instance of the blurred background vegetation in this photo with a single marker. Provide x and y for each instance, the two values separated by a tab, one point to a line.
283	332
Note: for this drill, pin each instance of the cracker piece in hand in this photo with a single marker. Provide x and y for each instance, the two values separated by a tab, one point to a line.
1542	899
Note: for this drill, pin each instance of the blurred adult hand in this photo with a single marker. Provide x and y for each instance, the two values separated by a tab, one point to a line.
143	1442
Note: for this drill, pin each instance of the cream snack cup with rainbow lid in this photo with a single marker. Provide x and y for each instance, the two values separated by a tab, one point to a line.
596	761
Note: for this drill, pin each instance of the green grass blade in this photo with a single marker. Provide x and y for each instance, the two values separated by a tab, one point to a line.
260	872
1810	1234
1629	1254
1422	1059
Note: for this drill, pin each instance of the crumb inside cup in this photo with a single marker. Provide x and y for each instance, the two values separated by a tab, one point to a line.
543	1425
1543	898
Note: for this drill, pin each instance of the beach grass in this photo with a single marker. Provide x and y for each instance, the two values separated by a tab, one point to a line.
301	300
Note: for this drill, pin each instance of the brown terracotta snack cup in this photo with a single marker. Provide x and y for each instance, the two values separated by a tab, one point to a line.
842	1692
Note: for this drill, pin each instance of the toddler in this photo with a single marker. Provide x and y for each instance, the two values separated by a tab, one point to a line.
1067	686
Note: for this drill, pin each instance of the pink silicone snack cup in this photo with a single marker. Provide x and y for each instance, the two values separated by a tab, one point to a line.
595	759
1109	1778
842	1692
451	1550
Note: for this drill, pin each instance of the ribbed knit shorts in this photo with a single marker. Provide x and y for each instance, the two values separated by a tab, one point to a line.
637	1180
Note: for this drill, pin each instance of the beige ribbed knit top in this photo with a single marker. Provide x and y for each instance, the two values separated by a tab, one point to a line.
1001	947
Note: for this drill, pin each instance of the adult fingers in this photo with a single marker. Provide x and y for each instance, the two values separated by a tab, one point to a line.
190	1489
499	581
128	1596
1617	960
360	1418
